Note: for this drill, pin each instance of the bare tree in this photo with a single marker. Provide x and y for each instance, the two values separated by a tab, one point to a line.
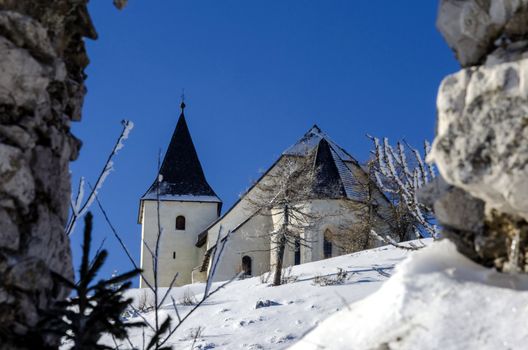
400	172
369	213
285	194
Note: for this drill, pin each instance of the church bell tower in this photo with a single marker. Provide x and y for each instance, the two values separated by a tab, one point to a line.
179	203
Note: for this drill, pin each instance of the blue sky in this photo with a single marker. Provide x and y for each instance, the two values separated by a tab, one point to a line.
257	76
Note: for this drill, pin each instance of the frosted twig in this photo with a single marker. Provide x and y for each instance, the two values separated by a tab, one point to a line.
388	240
78	210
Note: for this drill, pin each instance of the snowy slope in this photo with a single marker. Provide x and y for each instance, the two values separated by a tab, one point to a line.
437	299
229	319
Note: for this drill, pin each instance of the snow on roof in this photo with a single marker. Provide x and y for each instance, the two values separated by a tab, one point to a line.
347	177
311	140
181	198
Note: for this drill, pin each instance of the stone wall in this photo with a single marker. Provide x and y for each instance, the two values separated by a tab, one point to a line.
42	62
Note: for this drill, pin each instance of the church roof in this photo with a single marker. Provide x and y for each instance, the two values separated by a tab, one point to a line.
328	181
181	177
311	140
335	176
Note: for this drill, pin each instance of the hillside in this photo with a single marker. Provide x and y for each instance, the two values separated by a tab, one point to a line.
230	319
433	298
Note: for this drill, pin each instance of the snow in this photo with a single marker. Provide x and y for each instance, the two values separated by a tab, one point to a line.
180	197
128	125
230	319
437	299
311	139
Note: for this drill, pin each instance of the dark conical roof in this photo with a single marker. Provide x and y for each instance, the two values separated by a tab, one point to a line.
181	174
328	182
336	168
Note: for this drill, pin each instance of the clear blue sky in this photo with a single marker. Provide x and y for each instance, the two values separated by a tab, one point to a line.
257	76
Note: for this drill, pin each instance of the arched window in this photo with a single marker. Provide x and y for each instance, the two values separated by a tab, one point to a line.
297	258
327	245
246	265
180	223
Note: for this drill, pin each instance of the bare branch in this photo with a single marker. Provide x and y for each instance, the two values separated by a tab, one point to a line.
79	210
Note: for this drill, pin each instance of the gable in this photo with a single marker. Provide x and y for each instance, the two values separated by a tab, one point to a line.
336	180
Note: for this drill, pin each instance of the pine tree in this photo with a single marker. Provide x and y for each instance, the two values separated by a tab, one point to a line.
96	308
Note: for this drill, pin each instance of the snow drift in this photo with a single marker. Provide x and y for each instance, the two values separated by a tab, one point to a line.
437	299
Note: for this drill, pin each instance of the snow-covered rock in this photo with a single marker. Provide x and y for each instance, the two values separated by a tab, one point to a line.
437	299
482	137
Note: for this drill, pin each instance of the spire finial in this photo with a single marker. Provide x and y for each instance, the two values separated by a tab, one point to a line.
182	105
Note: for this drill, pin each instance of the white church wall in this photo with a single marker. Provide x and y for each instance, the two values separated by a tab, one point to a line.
197	275
333	215
239	213
177	252
250	239
229	221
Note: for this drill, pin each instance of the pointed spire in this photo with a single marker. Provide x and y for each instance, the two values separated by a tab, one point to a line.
181	171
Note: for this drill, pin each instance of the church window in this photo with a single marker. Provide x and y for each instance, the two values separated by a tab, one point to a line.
327	245
297	251
180	223
246	265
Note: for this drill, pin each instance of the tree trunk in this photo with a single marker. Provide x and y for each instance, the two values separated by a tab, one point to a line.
277	278
42	61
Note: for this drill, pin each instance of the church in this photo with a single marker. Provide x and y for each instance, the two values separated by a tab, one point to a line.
182	209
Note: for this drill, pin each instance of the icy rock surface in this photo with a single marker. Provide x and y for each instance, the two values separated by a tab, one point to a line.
482	137
437	299
472	27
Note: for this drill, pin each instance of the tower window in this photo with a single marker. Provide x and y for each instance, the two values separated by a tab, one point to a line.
174	255
327	245
180	223
246	265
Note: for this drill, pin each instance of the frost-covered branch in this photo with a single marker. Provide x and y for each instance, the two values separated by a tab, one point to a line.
78	207
389	240
400	177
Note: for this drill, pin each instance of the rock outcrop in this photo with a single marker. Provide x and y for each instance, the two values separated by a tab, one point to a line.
482	136
42	62
481	146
